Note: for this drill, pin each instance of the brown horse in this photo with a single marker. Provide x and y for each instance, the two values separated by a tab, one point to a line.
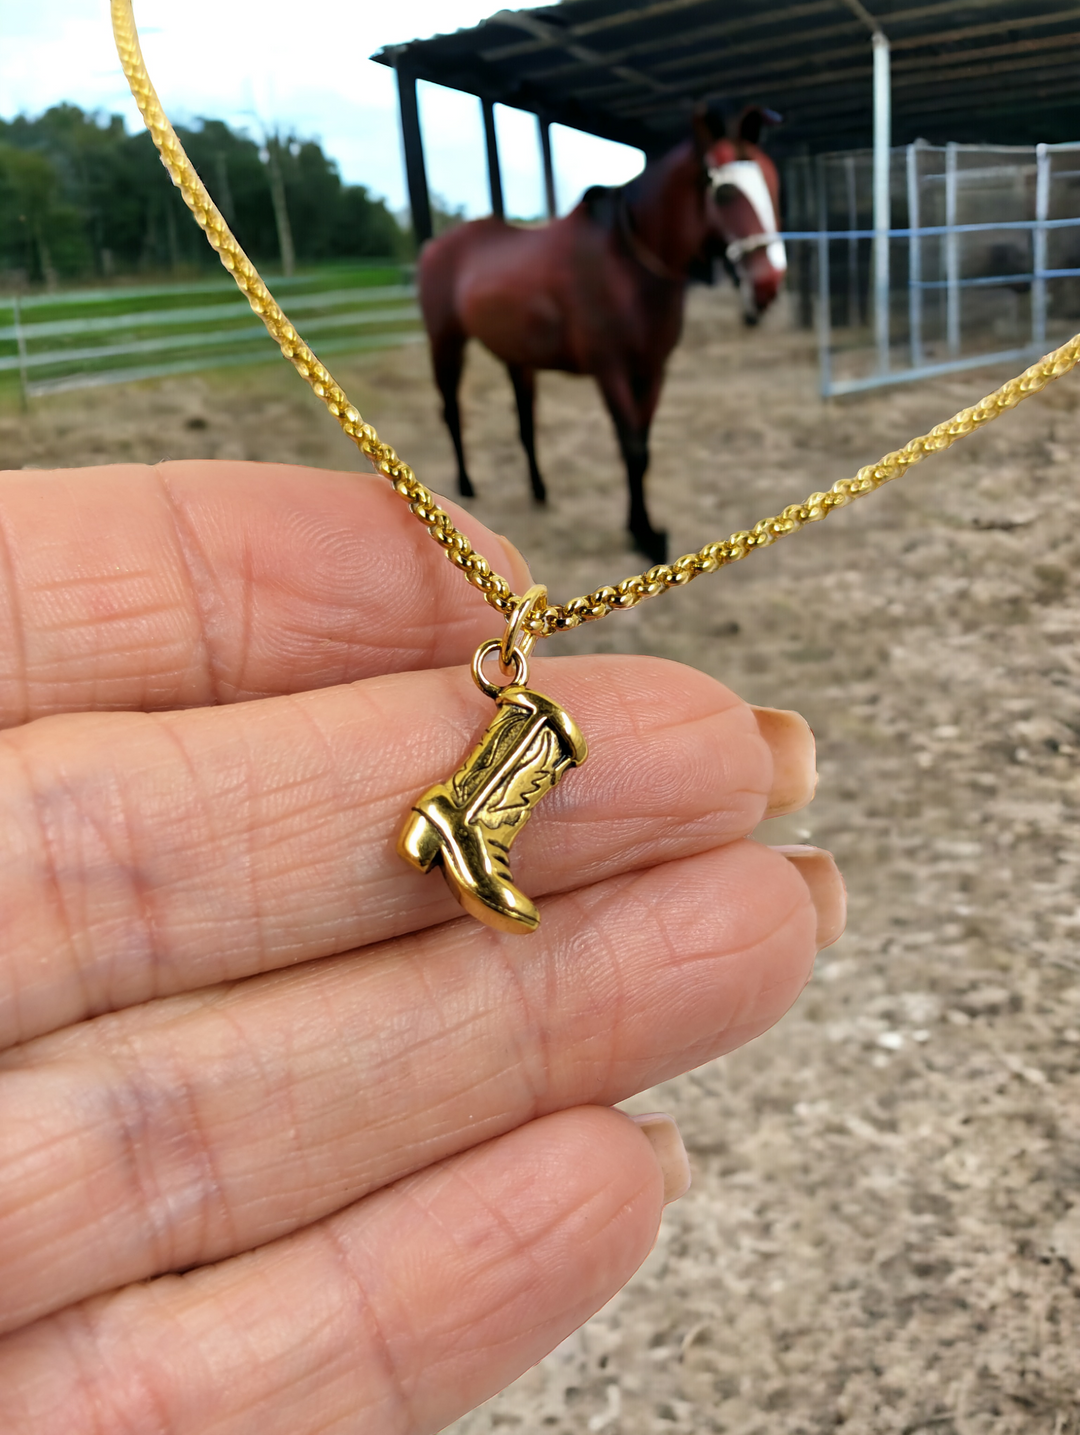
602	290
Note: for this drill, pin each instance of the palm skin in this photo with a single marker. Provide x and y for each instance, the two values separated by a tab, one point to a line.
287	1145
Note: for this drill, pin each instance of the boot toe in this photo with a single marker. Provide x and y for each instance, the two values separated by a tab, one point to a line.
508	911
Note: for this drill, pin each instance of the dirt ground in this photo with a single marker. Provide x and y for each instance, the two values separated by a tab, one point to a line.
884	1228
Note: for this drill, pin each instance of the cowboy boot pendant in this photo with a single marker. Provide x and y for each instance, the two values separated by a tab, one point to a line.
467	824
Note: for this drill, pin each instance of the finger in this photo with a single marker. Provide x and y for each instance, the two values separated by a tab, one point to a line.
142	855
170	1136
395	1316
193	583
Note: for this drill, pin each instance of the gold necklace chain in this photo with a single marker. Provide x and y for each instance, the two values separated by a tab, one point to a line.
555	617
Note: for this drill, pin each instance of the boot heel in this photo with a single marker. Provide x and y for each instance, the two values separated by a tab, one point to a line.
420	841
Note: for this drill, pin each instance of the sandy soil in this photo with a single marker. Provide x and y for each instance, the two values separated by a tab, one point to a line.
882	1232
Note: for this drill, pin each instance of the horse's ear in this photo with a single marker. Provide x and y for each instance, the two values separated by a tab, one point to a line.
753	120
707	127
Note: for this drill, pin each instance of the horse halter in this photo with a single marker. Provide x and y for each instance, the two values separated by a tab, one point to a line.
739	248
745	176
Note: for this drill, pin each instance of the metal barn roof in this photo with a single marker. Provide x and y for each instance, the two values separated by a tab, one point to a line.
991	71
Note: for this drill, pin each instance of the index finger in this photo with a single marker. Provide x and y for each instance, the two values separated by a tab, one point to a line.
198	582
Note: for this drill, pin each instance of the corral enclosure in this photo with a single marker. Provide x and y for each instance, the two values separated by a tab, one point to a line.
984	258
882	1232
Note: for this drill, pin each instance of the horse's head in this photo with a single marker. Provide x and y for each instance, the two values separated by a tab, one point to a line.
744	201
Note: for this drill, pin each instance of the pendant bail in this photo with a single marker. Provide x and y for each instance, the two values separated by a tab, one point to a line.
517	638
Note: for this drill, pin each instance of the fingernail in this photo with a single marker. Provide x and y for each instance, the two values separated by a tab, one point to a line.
819	871
663	1136
794	753
518	574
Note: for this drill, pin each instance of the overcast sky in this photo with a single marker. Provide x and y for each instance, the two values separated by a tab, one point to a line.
265	62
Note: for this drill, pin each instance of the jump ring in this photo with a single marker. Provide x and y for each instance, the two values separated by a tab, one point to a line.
517	639
518	661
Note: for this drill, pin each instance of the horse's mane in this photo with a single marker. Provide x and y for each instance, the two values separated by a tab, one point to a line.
601	202
605	204
609	205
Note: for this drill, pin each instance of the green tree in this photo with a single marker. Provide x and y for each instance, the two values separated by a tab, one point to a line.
78	194
41	234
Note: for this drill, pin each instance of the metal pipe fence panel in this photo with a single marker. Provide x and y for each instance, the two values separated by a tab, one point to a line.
74	340
985	267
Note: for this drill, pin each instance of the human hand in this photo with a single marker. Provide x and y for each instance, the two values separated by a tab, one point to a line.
287	1145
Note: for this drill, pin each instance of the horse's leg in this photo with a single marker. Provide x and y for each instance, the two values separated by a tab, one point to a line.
632	417
448	360
524	382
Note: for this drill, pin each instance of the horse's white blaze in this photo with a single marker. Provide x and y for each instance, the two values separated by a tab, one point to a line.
746	176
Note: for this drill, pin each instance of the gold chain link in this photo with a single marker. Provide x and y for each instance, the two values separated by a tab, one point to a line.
556	617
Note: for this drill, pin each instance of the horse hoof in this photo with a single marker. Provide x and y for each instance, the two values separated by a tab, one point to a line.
653	544
540	499
466	490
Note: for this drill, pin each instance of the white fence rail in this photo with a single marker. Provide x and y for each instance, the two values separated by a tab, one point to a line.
80	348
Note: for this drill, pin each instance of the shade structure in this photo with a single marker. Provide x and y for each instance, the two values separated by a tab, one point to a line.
975	71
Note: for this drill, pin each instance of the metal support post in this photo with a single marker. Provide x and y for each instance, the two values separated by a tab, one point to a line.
549	167
1039	246
802	172
415	170
20	344
882	151
915	293
882	217
853	243
952	255
281	210
824	324
494	173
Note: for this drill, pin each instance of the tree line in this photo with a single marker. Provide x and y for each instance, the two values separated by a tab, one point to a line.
80	197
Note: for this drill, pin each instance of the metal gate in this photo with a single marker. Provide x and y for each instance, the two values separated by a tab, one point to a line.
984	270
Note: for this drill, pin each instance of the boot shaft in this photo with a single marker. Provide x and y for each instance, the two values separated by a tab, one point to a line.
521	756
